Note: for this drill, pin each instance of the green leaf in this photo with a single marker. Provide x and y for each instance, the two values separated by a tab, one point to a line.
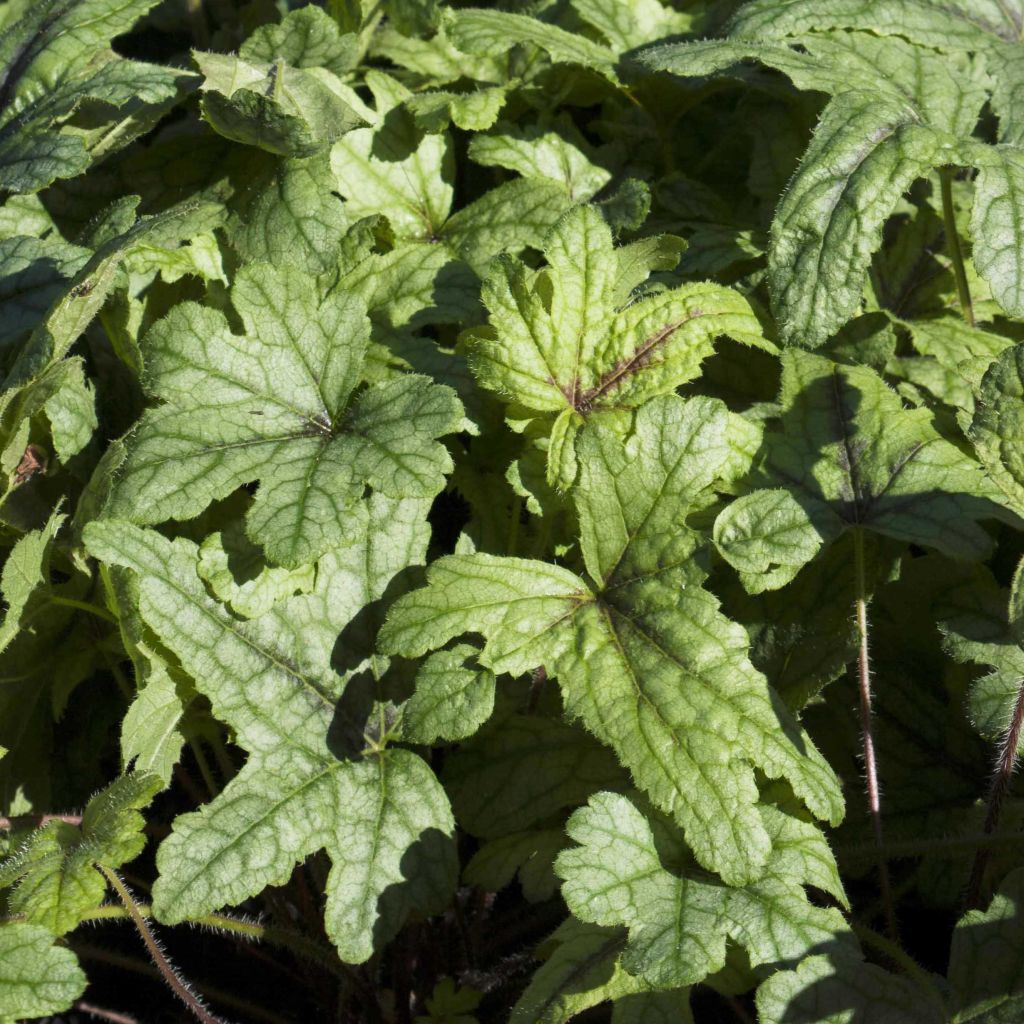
306	38
632	24
277	404
664	654
288	212
848	455
384	818
844	990
34	274
491	32
282	109
397	170
567	340
997	428
25	573
240	577
55	872
557	153
678	923
37	978
521	769
581	971
57	62
984	968
452	699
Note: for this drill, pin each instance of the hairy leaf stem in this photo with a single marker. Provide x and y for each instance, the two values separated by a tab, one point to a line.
167	970
867	732
956	254
999	788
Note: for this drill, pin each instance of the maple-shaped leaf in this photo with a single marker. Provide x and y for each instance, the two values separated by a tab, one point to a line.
642	652
848	455
897	112
38	977
278	404
567	342
56	870
57	60
310	781
678	922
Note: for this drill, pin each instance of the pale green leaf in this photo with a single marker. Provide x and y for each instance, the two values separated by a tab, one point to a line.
397	170
556	153
71	411
564	338
643	653
384	819
282	109
452	698
627	24
678	923
240	577
277	404
492	32
37	978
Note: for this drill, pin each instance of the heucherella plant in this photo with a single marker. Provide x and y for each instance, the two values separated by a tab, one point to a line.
511	513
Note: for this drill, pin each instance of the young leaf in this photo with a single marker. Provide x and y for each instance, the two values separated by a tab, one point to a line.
277	405
56	870
384	818
665	655
38	978
848	455
282	109
566	342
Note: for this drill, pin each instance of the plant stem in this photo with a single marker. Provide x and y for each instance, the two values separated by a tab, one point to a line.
157	955
953	242
39	819
867	733
102	1014
84	606
197	20
999	788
